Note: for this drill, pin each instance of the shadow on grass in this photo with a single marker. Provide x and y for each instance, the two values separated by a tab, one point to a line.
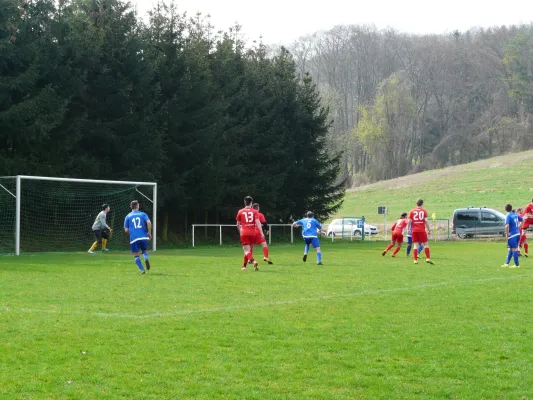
163	274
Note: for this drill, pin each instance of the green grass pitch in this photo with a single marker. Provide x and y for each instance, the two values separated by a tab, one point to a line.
79	326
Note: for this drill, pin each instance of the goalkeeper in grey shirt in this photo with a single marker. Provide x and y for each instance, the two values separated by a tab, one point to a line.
101	230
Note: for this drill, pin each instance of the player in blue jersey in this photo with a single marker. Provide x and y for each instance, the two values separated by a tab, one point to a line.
139	227
310	228
512	231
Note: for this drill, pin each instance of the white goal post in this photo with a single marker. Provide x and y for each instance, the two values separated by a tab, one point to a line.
45	204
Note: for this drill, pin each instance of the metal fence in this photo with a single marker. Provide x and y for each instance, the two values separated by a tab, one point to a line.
226	234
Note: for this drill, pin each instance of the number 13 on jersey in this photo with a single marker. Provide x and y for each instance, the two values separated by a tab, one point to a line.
249	217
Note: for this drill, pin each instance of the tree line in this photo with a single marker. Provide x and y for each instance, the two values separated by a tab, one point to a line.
406	103
89	90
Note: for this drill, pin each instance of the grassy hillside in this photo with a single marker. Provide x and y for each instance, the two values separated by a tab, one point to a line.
490	183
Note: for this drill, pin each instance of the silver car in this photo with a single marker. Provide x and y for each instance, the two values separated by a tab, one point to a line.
350	227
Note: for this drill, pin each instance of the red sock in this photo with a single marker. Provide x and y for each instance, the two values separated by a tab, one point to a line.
396	251
526	248
265	252
426	250
415	254
389	247
245	260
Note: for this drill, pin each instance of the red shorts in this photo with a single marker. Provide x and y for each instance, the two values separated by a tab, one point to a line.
259	239
527	223
420	237
247	239
397	237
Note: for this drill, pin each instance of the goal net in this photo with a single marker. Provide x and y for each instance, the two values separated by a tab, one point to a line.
57	214
7	214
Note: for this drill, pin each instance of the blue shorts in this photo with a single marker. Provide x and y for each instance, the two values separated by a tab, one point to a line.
139	246
312	241
512	242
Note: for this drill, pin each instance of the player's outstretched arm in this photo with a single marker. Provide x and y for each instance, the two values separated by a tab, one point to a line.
428	228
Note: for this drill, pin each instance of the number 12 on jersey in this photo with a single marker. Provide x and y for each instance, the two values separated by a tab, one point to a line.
136	223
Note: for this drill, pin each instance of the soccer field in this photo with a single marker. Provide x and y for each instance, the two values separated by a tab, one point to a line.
79	326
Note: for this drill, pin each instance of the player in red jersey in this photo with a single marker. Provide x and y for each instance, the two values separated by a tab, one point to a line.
247	223
528	216
418	219
261	233
397	235
523	237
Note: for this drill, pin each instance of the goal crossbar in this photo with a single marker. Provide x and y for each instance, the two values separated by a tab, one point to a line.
20	178
47	178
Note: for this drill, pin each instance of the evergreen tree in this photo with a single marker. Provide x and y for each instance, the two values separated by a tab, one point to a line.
88	91
30	106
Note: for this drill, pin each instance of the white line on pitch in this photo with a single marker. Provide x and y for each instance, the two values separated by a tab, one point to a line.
257	305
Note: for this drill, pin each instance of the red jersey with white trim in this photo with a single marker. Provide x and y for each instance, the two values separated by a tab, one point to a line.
247	218
528	209
400	225
418	216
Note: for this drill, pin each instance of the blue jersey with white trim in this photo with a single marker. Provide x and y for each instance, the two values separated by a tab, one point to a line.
310	227
513	220
136	223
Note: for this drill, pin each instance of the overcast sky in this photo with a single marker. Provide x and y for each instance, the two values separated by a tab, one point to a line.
283	21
